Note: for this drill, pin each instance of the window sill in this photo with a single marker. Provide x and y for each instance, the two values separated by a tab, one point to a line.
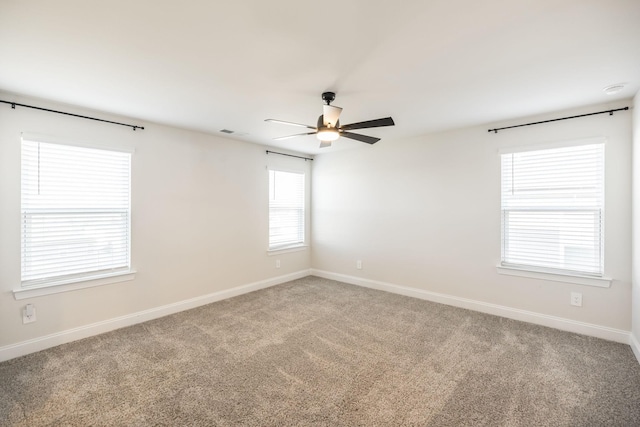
57	287
601	282
287	249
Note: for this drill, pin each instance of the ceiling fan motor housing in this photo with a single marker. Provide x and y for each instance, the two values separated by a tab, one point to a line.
321	123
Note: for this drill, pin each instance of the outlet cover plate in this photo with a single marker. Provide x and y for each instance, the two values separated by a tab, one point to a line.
576	299
28	319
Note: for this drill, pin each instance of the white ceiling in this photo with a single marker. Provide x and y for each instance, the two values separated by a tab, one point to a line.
211	65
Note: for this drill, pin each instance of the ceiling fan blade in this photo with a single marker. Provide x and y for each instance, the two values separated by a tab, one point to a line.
293	136
325	144
289	123
330	115
387	121
361	138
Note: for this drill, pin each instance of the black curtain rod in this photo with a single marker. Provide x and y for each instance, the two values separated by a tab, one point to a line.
562	118
13	105
289	155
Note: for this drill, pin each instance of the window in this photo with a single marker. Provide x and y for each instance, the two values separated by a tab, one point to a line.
75	213
552	209
286	209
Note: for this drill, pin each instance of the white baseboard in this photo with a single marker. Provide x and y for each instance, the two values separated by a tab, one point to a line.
41	343
569	325
635	346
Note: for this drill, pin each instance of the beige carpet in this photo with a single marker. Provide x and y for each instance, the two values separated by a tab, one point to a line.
323	353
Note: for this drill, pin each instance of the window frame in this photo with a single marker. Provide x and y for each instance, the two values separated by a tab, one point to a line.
62	283
548	273
294	246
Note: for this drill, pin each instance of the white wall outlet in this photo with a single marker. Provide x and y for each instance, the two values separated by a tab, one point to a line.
576	299
359	264
277	263
28	314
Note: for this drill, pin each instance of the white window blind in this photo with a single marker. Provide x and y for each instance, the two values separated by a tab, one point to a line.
286	209
552	209
75	212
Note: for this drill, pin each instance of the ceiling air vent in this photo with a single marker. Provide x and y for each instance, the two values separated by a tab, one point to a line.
226	131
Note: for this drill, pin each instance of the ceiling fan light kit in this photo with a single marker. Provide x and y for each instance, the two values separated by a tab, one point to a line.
328	134
329	129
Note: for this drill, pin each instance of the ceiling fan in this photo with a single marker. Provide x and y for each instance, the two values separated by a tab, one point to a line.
329	129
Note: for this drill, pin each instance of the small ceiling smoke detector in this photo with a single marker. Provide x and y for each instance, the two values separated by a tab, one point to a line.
610	90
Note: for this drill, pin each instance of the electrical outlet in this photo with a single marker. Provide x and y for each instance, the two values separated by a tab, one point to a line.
576	299
359	264
277	263
28	314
